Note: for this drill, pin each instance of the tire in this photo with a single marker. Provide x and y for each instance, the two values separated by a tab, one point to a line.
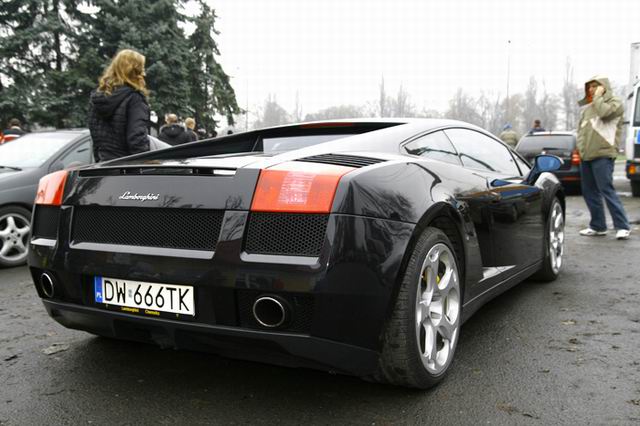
421	336
553	244
15	227
635	188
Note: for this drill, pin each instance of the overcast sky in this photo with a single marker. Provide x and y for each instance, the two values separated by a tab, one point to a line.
335	51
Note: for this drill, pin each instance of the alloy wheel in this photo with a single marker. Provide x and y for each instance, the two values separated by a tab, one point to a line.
438	309
556	237
14	234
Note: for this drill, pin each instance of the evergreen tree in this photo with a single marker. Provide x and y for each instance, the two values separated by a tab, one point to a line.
52	53
211	91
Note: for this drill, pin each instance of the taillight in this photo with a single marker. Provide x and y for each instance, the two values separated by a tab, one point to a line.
575	158
298	187
51	188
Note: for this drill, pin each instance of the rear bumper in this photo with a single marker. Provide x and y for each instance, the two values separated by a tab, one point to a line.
276	348
339	301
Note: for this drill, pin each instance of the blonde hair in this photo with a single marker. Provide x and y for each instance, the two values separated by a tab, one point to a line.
190	123
171	118
126	68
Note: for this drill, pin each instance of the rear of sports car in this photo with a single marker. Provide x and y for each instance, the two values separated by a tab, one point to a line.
271	263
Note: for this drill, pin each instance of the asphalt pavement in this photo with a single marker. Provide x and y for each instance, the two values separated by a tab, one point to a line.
558	353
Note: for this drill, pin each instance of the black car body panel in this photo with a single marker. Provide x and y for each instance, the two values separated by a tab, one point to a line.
342	288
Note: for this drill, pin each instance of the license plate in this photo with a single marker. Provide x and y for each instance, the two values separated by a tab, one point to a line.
149	298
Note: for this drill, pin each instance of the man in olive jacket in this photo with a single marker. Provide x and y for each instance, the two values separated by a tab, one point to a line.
599	134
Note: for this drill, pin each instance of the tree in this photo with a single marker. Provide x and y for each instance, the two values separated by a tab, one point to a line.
548	106
33	57
401	106
382	99
296	115
463	107
53	52
272	114
336	112
211	91
571	93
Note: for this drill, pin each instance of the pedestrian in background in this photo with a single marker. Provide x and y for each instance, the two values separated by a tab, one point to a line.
118	110
173	132
14	128
509	136
599	134
537	127
190	124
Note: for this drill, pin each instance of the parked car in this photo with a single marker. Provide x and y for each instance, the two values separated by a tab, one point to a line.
22	163
561	144
357	247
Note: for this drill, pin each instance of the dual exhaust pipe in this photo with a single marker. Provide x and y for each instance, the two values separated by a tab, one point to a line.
271	311
268	311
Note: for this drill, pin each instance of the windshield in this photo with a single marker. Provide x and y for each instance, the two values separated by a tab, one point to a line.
33	149
538	143
296	142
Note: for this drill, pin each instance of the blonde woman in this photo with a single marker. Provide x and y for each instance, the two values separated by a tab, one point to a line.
118	110
190	124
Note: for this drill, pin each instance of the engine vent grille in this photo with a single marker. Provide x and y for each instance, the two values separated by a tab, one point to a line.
45	222
156	171
189	229
290	234
342	160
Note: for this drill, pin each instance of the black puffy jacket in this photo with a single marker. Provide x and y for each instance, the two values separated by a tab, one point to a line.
174	134
118	123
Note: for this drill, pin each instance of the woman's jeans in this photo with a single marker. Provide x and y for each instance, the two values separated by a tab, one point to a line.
597	182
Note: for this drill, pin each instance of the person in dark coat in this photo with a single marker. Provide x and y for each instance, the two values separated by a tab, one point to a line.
118	109
190	124
14	128
173	132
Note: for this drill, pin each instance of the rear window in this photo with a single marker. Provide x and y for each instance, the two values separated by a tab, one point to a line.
289	143
539	143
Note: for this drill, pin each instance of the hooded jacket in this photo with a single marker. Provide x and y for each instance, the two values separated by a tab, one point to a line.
118	123
510	137
174	134
600	125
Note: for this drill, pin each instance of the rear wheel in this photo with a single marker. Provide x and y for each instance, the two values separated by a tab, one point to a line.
15	224
553	244
421	336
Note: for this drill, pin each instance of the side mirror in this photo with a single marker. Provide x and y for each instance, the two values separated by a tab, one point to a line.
542	163
547	163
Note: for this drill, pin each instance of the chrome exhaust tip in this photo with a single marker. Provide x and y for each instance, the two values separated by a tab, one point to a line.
270	312
47	285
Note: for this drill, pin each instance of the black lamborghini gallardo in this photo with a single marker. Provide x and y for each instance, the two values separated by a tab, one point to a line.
358	246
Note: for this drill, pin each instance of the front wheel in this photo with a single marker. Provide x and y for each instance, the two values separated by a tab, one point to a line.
421	336
553	244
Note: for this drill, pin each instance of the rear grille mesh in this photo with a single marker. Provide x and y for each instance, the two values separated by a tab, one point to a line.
190	229
342	160
286	233
45	222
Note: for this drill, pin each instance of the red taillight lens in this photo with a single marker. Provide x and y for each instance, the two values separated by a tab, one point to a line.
51	188
575	158
297	187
